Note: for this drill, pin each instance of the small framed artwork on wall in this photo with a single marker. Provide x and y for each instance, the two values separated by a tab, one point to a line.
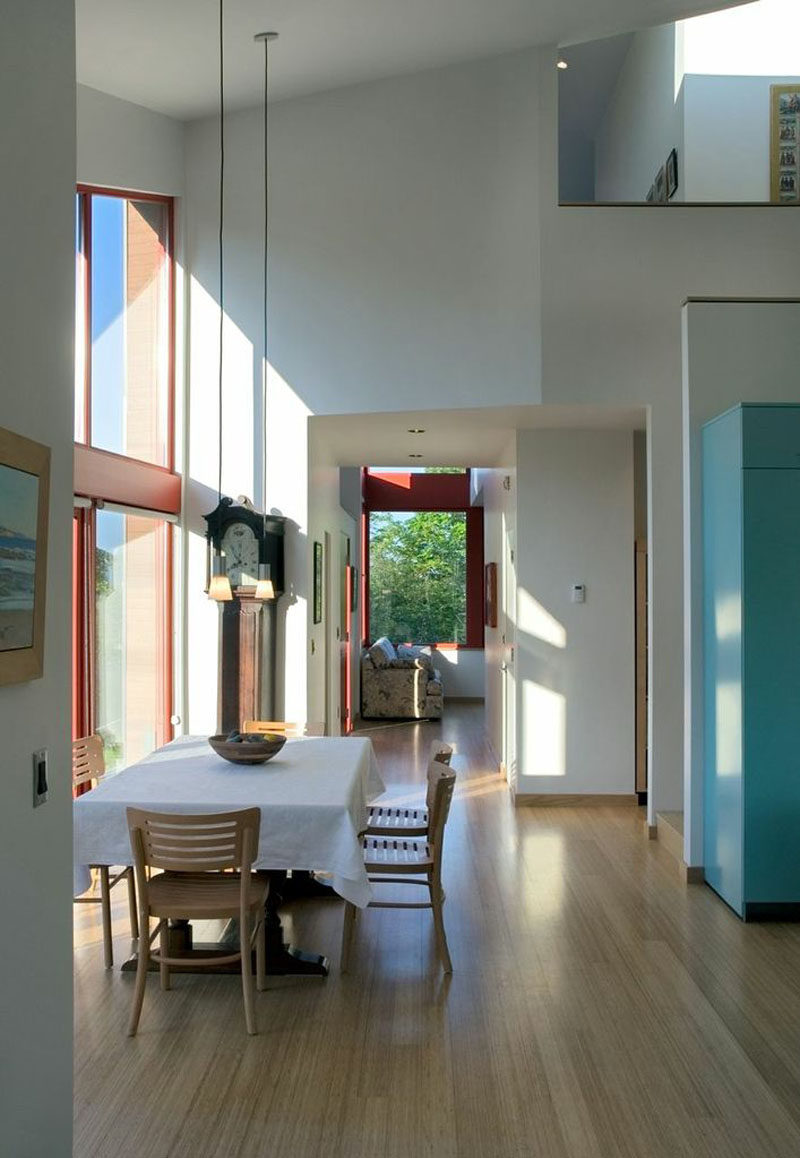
24	499
671	173
317	582
785	144
490	617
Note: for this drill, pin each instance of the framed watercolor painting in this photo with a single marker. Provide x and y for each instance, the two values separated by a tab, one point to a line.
24	499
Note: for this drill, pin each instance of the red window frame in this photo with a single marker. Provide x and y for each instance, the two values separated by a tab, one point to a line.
409	491
102	476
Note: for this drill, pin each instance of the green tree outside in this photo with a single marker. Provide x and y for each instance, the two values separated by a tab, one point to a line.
418	576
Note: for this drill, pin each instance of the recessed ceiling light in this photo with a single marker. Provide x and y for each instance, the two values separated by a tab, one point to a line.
561	63
416	430
416	456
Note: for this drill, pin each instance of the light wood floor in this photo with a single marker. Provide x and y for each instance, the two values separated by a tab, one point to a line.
598	1007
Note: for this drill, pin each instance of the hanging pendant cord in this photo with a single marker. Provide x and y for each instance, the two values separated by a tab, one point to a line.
221	219
266	275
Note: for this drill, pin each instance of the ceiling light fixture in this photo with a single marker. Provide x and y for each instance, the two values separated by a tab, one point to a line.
416	456
416	430
219	587
561	63
264	586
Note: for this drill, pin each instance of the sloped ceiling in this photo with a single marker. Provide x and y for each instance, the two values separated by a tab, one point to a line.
163	54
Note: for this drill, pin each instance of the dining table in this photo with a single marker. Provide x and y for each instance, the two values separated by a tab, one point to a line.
313	797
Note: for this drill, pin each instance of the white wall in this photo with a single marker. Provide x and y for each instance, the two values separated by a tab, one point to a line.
403	271
733	352
613	281
575	686
727	137
125	146
643	121
37	144
462	671
499	514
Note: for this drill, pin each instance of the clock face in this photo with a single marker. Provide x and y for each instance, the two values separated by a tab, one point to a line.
240	547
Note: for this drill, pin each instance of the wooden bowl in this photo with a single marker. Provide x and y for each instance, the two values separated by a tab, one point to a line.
247	751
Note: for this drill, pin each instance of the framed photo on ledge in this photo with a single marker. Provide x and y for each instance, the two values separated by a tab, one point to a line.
784	165
24	501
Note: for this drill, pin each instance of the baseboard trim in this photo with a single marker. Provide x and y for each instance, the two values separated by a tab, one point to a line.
574	799
771	911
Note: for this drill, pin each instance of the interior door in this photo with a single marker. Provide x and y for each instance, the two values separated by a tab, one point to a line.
345	619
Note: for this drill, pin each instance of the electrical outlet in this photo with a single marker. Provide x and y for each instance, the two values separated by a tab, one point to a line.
39	777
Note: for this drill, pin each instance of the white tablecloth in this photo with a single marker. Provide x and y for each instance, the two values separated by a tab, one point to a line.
313	797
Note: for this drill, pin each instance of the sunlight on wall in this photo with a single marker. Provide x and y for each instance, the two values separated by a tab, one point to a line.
544	731
536	621
728	617
237	416
760	39
729	728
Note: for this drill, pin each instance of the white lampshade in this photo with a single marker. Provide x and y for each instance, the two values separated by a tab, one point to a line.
220	586
264	588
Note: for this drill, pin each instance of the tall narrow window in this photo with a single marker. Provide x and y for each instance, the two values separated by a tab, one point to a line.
130	582
130	327
124	403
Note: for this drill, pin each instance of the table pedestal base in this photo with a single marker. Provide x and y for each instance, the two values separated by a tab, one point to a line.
282	960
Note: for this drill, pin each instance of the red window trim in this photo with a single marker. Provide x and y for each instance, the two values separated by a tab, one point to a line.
104	475
427	492
85	192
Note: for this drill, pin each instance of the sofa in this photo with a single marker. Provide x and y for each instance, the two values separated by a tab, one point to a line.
399	682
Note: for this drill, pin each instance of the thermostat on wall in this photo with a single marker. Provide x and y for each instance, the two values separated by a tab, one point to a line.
578	592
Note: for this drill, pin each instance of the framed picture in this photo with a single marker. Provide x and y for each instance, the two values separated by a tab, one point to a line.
785	143
24	499
354	588
490	617
660	186
671	173
317	582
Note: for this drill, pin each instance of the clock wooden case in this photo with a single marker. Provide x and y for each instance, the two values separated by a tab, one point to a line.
248	626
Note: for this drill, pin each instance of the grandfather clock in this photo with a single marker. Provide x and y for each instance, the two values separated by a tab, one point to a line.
248	626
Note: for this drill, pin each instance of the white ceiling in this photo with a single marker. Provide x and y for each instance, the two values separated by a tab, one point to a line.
163	54
478	437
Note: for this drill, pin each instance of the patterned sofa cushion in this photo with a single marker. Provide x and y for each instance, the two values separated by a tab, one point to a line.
420	655
382	652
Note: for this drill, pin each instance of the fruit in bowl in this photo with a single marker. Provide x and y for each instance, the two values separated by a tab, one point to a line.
247	747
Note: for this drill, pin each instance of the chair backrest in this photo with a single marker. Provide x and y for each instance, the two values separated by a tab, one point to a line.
440	755
444	780
88	760
283	728
193	843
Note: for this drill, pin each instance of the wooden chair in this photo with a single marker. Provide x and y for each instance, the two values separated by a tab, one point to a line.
88	768
283	728
391	820
194	851
403	861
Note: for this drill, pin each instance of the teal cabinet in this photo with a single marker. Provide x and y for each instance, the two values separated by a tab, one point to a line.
751	623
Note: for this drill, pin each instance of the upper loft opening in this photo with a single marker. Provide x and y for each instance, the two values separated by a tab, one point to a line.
702	111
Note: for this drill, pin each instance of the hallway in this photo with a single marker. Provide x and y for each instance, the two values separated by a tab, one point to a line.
598	1007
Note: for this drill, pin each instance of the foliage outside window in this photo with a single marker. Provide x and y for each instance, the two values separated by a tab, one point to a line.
417	582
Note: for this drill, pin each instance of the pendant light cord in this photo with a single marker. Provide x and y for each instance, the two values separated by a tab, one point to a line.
221	219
